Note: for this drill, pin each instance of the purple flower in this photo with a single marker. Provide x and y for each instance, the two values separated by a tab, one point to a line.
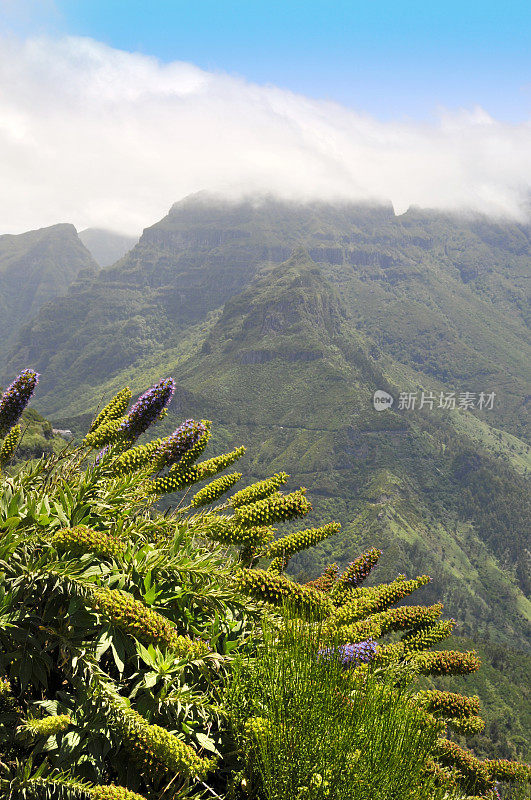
147	409
180	442
103	452
16	397
351	654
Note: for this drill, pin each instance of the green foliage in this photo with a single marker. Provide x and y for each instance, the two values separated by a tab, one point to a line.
119	624
315	731
115	625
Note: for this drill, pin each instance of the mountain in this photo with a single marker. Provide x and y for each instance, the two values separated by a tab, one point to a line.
279	322
36	267
440	297
106	246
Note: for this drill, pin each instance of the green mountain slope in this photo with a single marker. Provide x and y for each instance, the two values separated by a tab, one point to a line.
284	369
442	297
36	267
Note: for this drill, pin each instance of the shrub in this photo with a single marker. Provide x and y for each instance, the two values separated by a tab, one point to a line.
314	730
119	626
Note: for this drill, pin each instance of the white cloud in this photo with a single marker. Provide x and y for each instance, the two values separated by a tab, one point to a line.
101	137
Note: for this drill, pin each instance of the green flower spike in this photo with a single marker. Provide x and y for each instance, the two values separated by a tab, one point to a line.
10	444
146	625
214	490
377	598
258	491
475	772
179	476
449	704
446	662
301	540
395	619
47	726
325	581
428	637
277	589
154	747
109	432
113	410
224	529
82	539
273	509
135	458
112	792
132	616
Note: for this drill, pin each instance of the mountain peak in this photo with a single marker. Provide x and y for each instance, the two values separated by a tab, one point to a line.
29	238
299	257
36	267
289	311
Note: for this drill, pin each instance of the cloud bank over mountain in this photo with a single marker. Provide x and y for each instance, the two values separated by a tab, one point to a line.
101	137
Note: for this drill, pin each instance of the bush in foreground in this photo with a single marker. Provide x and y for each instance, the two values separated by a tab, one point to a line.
120	627
314	728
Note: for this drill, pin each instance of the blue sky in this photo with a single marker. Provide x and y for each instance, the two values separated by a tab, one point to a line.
393	60
111	111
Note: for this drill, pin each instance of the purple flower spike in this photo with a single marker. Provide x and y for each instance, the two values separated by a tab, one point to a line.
352	654
180	442
147	409
101	455
16	397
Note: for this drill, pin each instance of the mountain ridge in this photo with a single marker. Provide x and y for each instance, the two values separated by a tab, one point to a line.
182	269
36	267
